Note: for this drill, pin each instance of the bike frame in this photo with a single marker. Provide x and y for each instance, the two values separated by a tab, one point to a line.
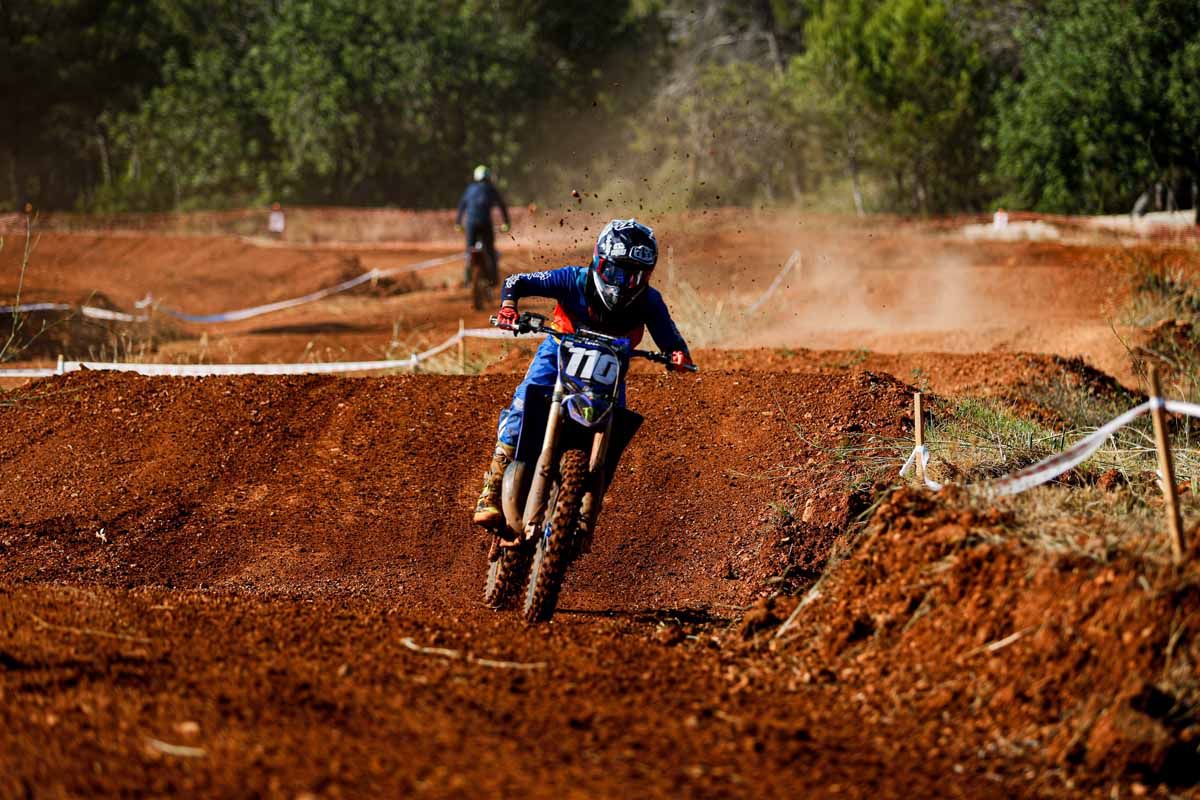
525	520
543	475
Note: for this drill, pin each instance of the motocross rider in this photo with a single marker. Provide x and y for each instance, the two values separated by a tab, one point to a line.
476	206
612	296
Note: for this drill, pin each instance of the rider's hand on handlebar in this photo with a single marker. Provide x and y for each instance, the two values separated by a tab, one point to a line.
507	318
505	228
680	361
458	227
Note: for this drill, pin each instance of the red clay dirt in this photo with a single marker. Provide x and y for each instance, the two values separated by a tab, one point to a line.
1085	662
881	287
249	555
232	586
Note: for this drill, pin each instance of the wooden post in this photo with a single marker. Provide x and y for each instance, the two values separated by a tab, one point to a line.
1166	467
919	435
462	347
59	368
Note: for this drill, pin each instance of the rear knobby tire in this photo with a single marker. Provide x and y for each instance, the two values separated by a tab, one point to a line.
480	291
554	552
506	577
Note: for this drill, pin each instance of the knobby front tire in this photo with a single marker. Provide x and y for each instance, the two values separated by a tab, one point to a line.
554	552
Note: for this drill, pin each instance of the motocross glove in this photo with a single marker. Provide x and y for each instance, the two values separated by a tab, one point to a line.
505	228
679	360
458	227
507	318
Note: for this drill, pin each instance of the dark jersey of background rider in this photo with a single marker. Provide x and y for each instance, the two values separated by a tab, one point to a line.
476	206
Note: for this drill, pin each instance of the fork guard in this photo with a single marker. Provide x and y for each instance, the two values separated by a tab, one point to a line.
519	474
516	482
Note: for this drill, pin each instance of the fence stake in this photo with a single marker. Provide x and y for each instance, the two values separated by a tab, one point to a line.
59	368
462	347
1166	467
919	435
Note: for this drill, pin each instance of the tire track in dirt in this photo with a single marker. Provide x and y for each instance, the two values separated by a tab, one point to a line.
315	485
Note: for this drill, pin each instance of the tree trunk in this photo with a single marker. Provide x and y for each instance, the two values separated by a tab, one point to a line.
855	188
13	188
105	164
794	182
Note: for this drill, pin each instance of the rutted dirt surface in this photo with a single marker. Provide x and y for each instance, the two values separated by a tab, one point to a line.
235	564
294	697
363	485
269	586
883	287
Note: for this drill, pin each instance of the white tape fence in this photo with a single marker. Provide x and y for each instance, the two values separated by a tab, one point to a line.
1058	464
326	368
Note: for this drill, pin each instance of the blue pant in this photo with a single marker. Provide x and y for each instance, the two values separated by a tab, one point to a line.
543	371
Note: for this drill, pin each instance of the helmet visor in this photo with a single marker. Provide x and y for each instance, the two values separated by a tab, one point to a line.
621	276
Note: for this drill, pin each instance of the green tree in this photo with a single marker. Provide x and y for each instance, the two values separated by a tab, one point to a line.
902	95
1108	104
358	101
62	64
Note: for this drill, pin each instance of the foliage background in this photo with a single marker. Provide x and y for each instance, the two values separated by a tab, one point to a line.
911	106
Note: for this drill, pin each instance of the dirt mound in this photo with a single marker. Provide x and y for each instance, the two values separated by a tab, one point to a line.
46	334
1071	661
315	484
1021	379
203	581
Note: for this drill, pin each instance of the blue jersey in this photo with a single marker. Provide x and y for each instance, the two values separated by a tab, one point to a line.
568	285
477	202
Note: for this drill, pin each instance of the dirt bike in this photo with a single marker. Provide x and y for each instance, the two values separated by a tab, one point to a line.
571	438
483	276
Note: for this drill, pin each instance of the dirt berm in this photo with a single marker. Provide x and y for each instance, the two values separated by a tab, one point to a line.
315	484
268	586
221	587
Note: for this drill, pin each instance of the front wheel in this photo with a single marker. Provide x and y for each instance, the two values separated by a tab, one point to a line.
556	548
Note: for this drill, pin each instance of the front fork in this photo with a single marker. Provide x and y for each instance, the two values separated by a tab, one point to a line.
535	502
593	498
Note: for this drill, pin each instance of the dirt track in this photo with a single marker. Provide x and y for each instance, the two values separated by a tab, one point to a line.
885	288
245	566
250	554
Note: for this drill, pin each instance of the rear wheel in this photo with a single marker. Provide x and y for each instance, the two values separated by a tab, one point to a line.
555	551
480	282
506	576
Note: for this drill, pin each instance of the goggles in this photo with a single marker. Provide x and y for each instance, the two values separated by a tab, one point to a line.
621	276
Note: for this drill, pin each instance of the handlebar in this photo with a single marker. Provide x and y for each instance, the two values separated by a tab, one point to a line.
530	322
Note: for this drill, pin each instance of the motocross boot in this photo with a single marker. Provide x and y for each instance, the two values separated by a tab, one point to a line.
487	509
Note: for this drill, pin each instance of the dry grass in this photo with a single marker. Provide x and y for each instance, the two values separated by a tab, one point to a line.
16	340
1095	523
1109	504
1163	282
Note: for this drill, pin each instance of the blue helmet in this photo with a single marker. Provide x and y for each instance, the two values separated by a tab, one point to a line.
625	255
